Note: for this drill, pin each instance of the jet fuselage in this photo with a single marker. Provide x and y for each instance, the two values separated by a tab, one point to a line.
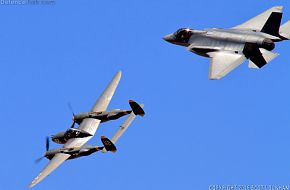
216	39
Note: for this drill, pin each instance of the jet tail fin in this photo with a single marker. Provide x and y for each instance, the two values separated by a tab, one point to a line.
267	55
272	24
268	21
285	30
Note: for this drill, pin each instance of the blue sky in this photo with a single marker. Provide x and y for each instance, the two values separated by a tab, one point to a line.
196	132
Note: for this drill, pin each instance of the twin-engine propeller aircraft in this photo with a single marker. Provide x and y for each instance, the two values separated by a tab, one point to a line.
228	48
75	145
103	116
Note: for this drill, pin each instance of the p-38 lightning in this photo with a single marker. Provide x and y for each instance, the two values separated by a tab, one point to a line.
75	139
228	48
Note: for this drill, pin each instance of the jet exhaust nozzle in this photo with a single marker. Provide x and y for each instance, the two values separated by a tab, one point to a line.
268	44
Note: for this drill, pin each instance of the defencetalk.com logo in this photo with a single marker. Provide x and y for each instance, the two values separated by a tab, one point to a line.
27	2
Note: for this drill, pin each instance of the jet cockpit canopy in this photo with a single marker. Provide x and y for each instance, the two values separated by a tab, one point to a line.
183	34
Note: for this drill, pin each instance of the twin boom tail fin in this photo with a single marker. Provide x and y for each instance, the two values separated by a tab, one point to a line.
109	145
136	108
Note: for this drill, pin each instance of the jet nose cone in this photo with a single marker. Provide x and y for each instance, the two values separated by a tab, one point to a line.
169	38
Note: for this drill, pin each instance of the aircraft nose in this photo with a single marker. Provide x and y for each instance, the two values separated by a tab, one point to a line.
169	38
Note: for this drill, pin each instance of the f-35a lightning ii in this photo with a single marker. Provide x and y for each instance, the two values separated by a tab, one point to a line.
228	48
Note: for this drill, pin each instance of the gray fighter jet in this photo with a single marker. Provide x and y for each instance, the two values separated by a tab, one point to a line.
228	48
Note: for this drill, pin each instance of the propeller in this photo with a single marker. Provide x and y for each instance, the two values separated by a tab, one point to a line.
38	160
71	109
47	148
73	124
47	143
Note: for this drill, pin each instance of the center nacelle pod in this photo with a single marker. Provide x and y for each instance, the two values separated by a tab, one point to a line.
63	137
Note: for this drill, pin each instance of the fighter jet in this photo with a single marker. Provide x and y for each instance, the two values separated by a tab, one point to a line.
228	48
75	145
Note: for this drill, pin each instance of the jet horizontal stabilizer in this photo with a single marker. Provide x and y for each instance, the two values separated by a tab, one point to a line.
285	30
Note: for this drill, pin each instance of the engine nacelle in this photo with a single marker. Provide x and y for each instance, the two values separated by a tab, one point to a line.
113	115
63	137
78	118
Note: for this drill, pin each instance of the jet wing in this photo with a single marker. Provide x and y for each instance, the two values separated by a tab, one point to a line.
123	128
56	161
223	62
90	125
272	15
